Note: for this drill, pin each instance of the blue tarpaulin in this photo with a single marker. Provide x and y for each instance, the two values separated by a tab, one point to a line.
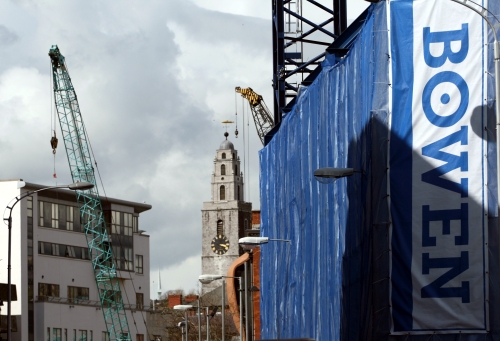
333	281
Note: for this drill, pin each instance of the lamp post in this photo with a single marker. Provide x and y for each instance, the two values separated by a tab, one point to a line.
185	308
77	186
208	324
199	320
206	279
181	325
248	244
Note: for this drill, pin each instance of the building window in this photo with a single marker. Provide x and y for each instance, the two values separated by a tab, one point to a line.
220	227
122	228
135	224
48	290
105	336
246	224
82	335
156	337
140	337
223	170
70	252
48	333
65	334
223	155
78	293
55	216
236	170
55	249
58	216
91	335
69	218
115	297
61	250
29	206
44	248
239	194
129	258
139	301
56	334
115	223
222	194
138	264
127	224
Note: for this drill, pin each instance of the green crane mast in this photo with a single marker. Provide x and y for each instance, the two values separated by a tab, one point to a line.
80	163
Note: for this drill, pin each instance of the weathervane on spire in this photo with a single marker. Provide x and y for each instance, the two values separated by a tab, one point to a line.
226	122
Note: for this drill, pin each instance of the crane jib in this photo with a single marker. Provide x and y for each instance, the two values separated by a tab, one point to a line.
80	164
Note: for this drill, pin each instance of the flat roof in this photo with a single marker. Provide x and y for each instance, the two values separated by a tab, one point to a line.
69	195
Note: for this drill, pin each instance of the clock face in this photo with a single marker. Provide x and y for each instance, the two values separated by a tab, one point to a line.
220	245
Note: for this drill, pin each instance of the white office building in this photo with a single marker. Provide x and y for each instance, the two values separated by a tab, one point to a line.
57	298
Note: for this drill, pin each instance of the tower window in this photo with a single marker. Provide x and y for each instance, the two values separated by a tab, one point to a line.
235	169
223	155
222	194
233	156
220	228
239	194
223	170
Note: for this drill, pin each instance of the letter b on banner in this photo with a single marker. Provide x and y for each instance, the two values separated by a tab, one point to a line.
445	38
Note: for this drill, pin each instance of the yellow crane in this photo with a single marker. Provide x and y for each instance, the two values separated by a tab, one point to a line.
261	115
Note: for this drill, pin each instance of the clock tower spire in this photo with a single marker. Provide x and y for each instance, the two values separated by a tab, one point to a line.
226	217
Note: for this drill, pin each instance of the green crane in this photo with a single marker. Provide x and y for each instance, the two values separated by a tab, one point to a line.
80	163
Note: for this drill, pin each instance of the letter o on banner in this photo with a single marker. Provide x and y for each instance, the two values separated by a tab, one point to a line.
445	77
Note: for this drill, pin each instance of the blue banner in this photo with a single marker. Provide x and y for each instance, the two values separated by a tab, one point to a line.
437	168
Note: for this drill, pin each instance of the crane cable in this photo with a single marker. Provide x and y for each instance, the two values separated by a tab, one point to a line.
244	149
236	114
248	148
53	124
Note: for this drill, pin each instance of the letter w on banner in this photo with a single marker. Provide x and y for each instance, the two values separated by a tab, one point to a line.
437	168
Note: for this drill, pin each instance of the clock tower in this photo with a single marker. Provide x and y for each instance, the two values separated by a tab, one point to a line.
226	217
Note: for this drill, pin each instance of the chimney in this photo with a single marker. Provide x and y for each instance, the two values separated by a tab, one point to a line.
174	299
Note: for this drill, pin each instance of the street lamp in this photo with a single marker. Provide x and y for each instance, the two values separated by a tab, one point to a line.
328	175
185	308
206	279
77	186
249	243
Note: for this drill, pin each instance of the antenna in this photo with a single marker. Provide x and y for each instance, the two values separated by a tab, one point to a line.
159	285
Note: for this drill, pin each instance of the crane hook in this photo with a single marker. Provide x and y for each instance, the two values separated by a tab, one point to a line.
53	143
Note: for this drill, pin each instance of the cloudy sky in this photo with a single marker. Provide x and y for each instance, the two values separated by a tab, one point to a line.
154	80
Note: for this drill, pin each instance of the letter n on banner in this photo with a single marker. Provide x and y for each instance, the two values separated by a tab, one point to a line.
437	169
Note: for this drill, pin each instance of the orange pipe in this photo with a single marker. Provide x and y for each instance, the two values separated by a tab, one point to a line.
232	293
